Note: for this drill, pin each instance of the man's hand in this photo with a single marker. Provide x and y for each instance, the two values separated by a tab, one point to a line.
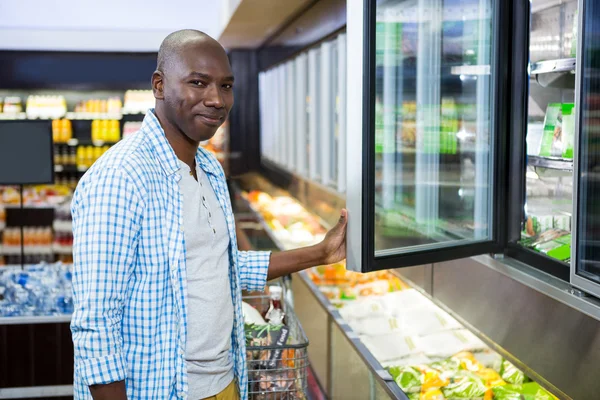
333	247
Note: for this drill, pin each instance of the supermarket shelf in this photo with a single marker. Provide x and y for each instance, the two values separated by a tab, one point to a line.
86	142
41	319
28	250
62	226
13	116
69	168
563	164
92	116
36	391
560	65
60	249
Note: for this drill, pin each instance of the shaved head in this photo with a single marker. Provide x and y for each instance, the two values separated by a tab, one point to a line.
174	44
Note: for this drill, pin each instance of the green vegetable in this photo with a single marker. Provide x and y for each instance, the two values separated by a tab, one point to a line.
528	391
254	331
512	374
465	385
414	396
448	365
408	378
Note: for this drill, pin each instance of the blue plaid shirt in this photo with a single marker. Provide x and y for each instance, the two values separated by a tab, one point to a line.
129	276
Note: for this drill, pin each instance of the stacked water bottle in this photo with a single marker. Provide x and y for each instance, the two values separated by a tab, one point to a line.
42	289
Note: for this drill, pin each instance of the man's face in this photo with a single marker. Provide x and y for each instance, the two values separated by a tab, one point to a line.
197	89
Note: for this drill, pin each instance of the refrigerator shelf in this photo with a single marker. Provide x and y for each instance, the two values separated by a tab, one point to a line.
563	164
553	66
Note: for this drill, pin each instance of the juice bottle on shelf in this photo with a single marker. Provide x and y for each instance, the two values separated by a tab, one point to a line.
95	129
66	130
56	131
57	155
97	153
80	157
72	156
89	156
115	131
103	135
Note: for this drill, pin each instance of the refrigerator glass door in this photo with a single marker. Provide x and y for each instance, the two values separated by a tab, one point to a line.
428	132
585	271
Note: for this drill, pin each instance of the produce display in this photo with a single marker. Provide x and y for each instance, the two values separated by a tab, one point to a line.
430	355
464	376
290	222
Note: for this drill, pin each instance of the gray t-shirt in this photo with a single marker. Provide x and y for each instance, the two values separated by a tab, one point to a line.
210	306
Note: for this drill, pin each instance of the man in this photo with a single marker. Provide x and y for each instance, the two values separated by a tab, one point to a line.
157	274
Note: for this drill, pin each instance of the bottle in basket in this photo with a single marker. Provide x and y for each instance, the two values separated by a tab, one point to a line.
275	314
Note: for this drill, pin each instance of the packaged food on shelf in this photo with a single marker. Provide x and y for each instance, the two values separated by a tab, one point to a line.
12	105
138	101
446	343
43	289
104	130
463	376
110	106
389	347
528	391
559	129
46	107
62	130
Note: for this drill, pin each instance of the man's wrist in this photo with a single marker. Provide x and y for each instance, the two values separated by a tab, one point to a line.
320	254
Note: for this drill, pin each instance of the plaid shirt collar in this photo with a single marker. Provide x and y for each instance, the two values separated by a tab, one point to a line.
166	155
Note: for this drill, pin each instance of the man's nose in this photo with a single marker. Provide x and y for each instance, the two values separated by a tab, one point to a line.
214	97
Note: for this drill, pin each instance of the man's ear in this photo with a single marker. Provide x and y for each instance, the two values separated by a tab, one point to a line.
158	85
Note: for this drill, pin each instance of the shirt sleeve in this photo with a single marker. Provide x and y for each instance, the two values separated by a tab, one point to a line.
253	267
106	222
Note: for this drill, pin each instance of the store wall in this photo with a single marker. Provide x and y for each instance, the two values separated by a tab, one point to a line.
108	25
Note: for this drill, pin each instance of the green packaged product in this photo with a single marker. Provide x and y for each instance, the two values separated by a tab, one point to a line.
409	379
465	385
537	224
562	221
512	374
445	366
528	391
559	248
559	128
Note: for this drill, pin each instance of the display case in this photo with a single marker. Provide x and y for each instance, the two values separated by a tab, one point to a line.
470	168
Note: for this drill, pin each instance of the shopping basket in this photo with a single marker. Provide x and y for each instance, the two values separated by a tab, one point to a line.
277	357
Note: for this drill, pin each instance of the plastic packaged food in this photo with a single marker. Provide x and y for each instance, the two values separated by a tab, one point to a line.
528	391
465	385
410	379
512	374
445	344
390	347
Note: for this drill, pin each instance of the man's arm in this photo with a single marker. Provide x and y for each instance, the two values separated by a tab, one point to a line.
331	250
109	391
106	222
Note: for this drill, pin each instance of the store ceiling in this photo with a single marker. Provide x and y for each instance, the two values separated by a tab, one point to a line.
256	20
108	25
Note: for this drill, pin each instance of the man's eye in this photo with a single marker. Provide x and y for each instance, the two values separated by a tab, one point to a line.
227	86
198	83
